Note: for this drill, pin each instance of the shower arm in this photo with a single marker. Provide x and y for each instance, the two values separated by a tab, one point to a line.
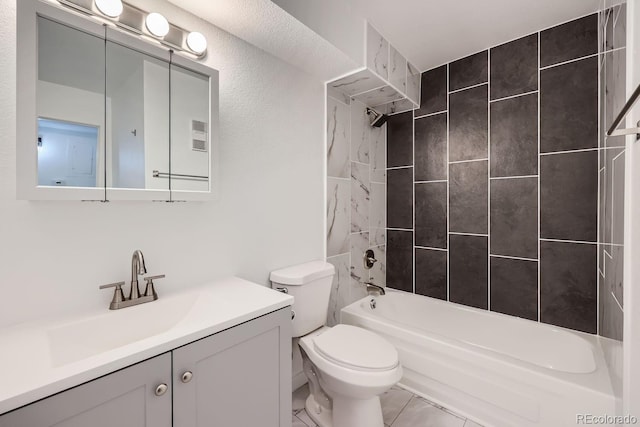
625	110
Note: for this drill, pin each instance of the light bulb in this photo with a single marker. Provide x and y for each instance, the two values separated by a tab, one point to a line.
110	8
197	42
157	24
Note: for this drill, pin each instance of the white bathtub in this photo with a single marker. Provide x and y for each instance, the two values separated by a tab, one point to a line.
497	370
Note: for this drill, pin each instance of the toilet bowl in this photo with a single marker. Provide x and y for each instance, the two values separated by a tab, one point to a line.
347	367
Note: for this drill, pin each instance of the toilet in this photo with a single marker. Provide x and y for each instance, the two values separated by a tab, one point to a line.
347	367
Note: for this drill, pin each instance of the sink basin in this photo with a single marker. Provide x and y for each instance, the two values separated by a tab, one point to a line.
87	337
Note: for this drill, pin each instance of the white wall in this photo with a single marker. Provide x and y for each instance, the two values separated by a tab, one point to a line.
53	255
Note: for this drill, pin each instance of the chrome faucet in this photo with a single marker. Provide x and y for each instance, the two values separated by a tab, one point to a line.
137	267
373	287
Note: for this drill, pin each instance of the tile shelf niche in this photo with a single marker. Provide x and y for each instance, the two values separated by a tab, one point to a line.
388	82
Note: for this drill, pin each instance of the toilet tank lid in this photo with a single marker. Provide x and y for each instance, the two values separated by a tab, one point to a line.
302	274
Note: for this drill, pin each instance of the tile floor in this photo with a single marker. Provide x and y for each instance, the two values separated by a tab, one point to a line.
400	408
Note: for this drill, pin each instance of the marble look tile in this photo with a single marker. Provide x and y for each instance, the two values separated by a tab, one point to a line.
413	83
514	136
431	148
378	153
611	316
400	198
570	40
338	132
400	140
356	83
340	287
615	64
469	71
607	192
400	260
431	214
613	27
359	133
338	223
569	106
614	257
360	197
568	285
378	273
569	196
514	217
397	69
468	124
359	244
377	52
514	287
420	413
377	236
378	206
379	96
617	200
468	197
514	67
338	96
468	270
431	273
396	107
433	91
393	401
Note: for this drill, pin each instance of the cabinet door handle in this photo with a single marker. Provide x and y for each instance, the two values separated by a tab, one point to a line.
187	376
161	389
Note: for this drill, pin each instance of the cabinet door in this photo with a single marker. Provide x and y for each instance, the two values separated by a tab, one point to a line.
125	398
241	376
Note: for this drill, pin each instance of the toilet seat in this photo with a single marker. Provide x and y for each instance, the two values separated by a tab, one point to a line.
356	348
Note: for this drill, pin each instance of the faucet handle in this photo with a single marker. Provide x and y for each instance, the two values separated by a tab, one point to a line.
118	296
150	290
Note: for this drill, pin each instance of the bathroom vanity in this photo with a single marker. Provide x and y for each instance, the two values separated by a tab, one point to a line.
223	348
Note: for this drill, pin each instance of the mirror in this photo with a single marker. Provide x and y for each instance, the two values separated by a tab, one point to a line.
105	115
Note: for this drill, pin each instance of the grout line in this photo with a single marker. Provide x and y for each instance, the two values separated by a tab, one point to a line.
598	217
399	229
513	96
514	177
616	300
430	182
430	248
468	234
399	167
569	241
428	115
468	161
582	150
546	67
539	175
468	87
413	202
513	257
488	185
339	178
448	193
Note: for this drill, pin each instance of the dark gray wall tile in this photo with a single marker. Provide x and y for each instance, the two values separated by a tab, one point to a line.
469	71
468	197
514	287
514	67
431	214
569	106
400	198
572	40
468	273
433	91
431	148
400	140
400	260
568	285
514	217
514	136
431	273
569	196
468	124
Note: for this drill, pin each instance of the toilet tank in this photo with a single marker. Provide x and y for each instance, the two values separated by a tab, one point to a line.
310	286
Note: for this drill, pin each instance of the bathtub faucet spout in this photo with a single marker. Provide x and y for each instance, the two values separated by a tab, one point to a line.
375	288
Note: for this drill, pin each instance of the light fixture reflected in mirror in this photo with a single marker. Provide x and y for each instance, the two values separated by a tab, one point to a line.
197	42
110	8
157	24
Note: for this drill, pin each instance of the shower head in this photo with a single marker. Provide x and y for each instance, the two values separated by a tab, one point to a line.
376	119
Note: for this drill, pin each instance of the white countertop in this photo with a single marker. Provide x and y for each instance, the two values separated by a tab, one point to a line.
38	359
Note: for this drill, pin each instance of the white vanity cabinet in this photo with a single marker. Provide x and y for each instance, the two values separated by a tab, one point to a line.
235	378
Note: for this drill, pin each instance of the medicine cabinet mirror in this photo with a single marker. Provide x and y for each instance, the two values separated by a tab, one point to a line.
105	115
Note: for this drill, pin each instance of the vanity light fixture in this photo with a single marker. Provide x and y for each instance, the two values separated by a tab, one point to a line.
157	24
110	8
197	42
